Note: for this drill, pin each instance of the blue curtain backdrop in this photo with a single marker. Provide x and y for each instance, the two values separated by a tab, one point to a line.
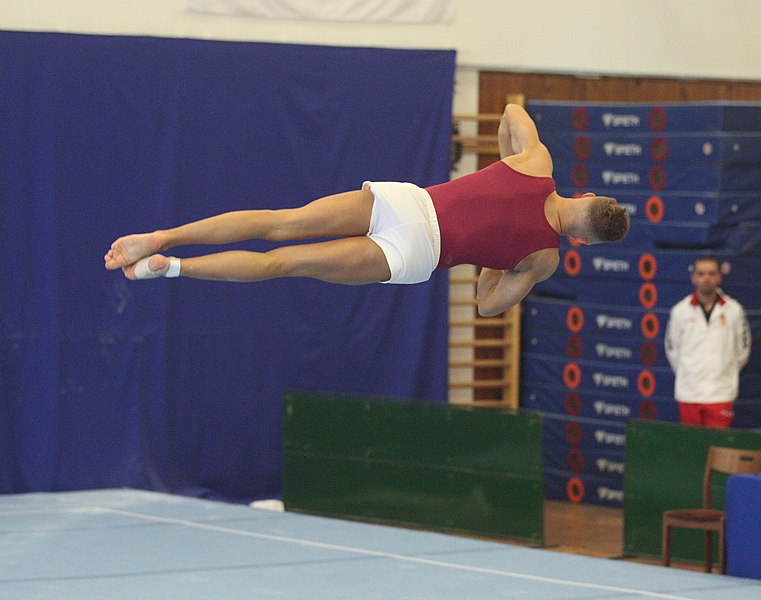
178	385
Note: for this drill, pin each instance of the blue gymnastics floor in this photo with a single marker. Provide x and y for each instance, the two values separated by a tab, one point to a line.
125	544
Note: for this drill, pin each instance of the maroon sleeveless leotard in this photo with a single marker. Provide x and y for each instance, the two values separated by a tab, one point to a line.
493	218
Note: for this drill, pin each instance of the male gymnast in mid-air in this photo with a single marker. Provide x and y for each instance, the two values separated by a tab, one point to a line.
506	218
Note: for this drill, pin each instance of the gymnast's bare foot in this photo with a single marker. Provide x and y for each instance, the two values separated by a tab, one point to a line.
148	268
129	249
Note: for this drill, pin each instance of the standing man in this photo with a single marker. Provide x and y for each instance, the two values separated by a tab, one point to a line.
707	344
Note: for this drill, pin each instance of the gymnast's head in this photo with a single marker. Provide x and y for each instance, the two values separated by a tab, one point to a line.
607	221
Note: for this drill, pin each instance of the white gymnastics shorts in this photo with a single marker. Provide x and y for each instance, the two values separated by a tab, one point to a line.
404	224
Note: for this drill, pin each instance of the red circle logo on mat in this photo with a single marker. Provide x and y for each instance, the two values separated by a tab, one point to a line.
582	147
580	118
580	176
648	411
572	403
573	433
572	263
659	149
574	489
648	354
650	325
574	347
648	295
657	178
658	119
646	383
575	460
648	266
572	375
574	319
654	209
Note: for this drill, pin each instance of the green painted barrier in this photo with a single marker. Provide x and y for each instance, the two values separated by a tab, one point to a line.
664	471
476	471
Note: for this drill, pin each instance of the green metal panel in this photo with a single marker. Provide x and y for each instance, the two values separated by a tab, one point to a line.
664	471
428	434
439	467
432	497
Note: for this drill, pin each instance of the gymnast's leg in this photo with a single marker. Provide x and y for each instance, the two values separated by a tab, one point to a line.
339	215
350	260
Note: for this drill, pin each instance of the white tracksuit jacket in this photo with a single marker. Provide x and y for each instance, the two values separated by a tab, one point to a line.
706	356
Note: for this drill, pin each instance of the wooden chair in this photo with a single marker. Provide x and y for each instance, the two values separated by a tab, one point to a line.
730	461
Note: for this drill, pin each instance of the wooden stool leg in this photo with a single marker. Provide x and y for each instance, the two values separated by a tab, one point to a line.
708	551
722	552
666	545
